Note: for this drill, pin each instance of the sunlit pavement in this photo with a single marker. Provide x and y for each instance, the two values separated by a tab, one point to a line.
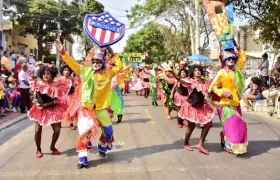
147	146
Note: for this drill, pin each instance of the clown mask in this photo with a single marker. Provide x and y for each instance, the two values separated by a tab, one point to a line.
230	62
96	65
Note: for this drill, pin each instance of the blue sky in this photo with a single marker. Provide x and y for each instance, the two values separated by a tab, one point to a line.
117	9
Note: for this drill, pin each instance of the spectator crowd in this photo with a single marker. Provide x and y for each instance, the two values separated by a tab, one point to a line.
15	95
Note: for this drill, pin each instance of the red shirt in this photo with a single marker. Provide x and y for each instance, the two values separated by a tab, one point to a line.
17	69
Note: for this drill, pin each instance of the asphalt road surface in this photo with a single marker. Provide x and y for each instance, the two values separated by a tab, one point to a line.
147	146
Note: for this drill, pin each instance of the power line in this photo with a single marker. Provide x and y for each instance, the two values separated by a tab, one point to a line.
114	7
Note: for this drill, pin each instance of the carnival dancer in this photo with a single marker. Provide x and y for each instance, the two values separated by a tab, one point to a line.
160	95
196	109
137	83
154	85
167	82
47	108
96	85
66	72
116	98
228	86
179	94
127	77
146	78
120	79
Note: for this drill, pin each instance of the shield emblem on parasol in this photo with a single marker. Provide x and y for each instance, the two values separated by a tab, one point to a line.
103	29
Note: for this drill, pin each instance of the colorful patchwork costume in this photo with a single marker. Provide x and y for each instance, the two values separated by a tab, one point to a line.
95	86
228	86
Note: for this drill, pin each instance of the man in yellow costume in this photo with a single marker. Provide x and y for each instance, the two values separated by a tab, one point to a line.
96	86
227	88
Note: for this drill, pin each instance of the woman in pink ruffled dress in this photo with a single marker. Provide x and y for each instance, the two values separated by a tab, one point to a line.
196	110
48	109
146	82
66	72
179	94
137	83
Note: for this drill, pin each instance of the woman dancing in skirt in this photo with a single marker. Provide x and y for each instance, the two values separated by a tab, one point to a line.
180	95
196	109
47	108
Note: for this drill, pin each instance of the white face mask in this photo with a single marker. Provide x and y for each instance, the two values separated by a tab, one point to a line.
230	62
96	66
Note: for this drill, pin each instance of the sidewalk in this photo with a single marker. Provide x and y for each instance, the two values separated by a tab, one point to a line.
269	110
11	119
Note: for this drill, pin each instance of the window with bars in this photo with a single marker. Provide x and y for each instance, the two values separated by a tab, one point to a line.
35	52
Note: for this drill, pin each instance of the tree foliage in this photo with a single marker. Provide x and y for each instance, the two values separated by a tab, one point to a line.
159	41
263	15
172	13
40	17
149	39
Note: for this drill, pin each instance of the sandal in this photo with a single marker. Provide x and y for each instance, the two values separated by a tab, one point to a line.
55	151
169	117
39	154
202	149
73	127
188	148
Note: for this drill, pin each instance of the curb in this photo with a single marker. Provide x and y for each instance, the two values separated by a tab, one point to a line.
12	122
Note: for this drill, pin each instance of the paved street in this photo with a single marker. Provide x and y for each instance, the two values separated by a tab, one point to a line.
147	146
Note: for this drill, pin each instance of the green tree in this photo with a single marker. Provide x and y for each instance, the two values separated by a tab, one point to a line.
149	39
171	12
40	17
263	15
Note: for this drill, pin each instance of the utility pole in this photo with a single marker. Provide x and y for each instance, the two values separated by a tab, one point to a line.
197	27
58	37
191	35
1	22
195	46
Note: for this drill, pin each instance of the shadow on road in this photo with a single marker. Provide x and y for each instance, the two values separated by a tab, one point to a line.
138	105
8	133
255	148
132	121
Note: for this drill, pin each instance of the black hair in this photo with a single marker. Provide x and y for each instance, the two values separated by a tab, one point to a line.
5	52
110	51
256	80
191	73
53	70
180	71
64	67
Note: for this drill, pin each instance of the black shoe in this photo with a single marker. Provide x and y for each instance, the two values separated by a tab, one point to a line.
23	112
80	166
156	103
83	162
102	154
119	118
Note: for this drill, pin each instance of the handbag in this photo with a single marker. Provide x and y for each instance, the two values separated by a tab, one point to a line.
196	99
43	98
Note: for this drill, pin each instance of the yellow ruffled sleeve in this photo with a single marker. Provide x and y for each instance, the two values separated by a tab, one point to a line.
71	63
216	85
117	68
241	59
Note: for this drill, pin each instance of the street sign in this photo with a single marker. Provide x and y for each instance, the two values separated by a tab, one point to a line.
103	29
133	57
